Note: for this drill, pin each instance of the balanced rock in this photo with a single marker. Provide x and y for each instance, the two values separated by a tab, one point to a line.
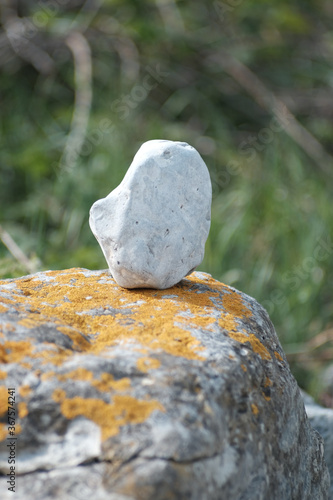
148	394
153	227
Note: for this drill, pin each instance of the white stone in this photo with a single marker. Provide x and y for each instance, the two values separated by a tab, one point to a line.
153	227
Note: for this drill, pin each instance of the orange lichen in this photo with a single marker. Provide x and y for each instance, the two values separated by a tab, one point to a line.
3	375
6	300
22	409
3	308
3	400
27	322
47	375
27	366
146	363
14	351
268	382
234	305
152	321
204	322
110	416
278	356
58	395
8	327
257	346
53	356
107	383
159	319
24	390
243	367
18	429
255	409
79	342
268	398
78	374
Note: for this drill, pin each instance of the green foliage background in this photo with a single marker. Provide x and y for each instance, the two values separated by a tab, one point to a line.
221	67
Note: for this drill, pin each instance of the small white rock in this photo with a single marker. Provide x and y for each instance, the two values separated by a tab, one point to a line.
153	227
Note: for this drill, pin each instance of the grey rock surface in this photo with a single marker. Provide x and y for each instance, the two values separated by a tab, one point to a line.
322	420
149	394
153	227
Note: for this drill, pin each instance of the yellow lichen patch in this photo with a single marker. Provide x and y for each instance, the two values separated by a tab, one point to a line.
235	308
153	319
110	416
3	375
24	390
255	409
3	400
197	321
47	375
22	409
78	374
27	366
3	308
268	382
278	356
55	357
234	305
58	395
257	346
107	383
157	332
14	351
146	363
228	322
8	327
27	322
79	342
3	432
6	300
243	367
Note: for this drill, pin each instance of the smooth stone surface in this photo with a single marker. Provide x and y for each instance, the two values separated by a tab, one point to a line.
153	227
149	394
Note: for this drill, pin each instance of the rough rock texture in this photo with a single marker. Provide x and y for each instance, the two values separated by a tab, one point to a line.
153	227
326	385
149	394
322	420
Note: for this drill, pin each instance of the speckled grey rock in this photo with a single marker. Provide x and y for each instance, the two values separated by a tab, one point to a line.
153	227
182	394
322	420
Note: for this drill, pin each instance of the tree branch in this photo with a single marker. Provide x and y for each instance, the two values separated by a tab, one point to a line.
267	100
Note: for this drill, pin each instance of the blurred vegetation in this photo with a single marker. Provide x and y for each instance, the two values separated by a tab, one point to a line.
248	83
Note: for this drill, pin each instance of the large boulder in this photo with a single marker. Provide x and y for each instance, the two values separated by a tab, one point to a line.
148	394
